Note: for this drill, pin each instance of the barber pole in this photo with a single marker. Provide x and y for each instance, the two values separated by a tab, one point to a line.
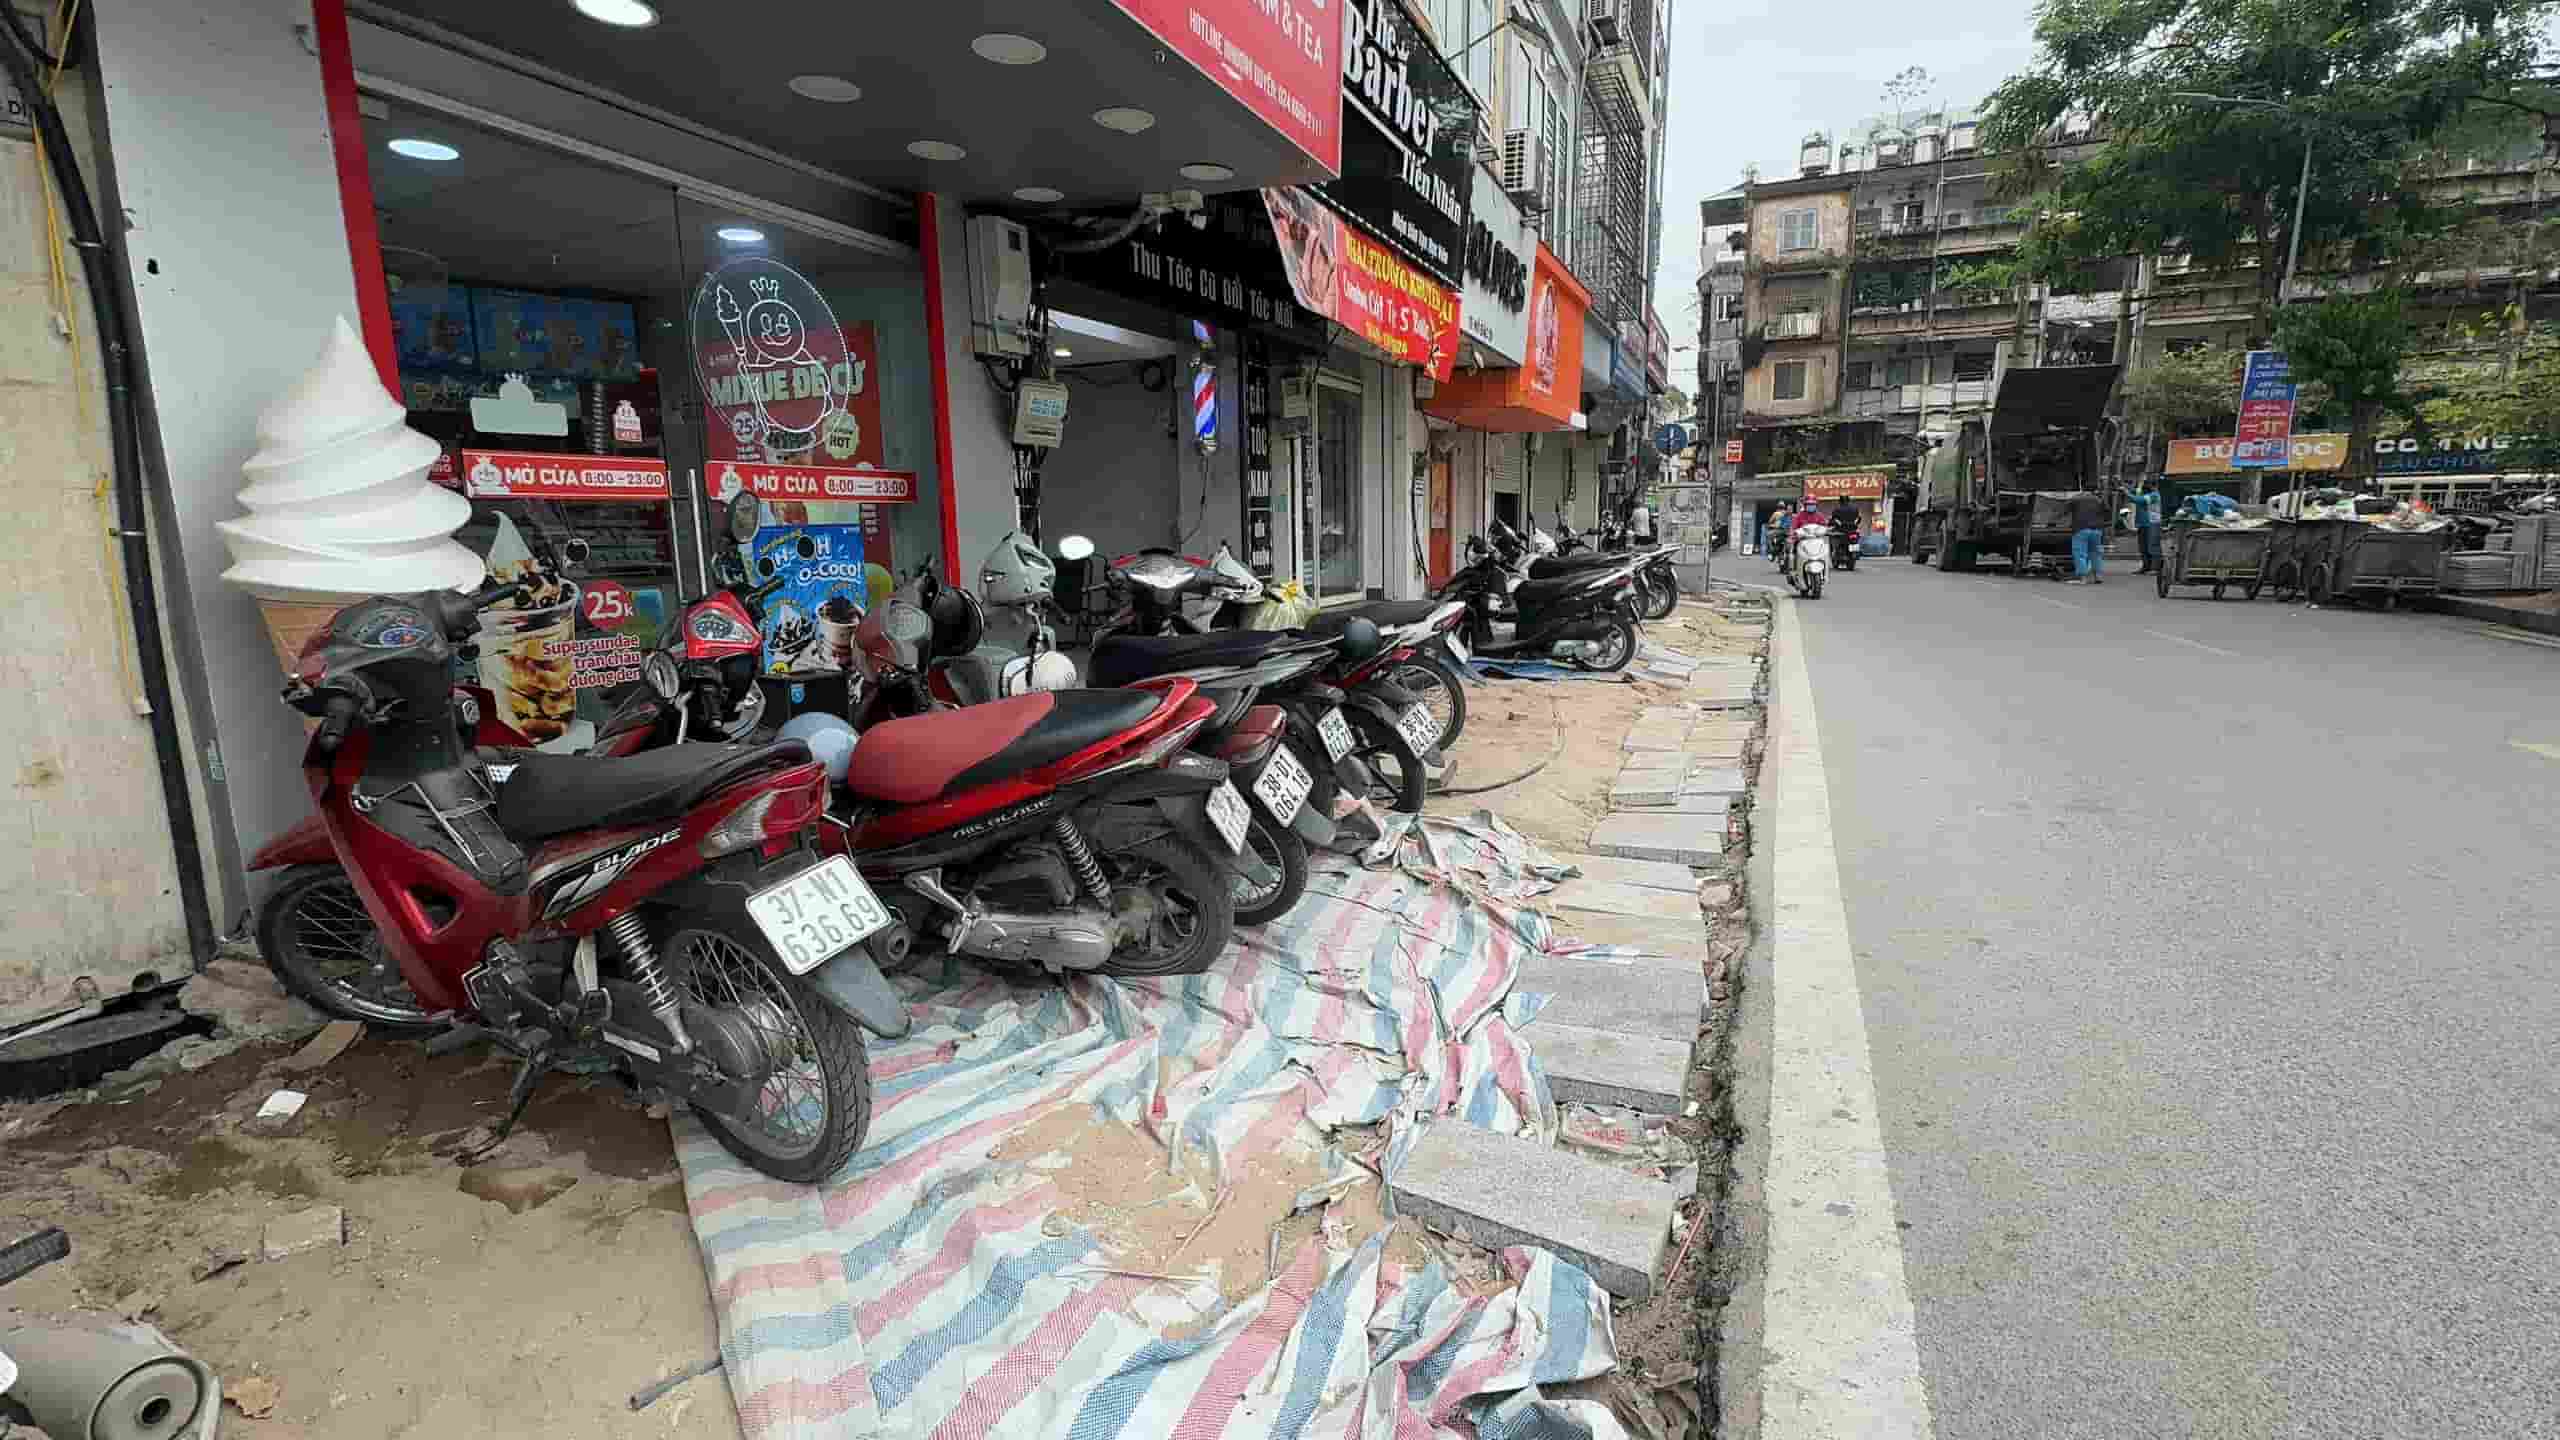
1204	390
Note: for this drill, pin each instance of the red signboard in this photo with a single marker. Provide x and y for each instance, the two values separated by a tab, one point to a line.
1281	58
1733	452
722	479
1340	272
526	475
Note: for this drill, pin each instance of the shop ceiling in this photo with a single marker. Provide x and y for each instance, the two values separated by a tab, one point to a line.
730	67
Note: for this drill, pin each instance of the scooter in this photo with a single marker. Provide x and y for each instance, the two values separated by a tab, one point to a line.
1587	618
1017	585
1658	585
669	913
1844	548
1422	649
1162	590
1810	541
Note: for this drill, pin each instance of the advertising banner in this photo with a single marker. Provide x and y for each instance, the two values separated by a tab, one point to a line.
2213	456
809	622
1340	272
807	482
1845	485
2263	439
1408	147
1498	252
1278	57
1227	272
782	381
2445	455
525	475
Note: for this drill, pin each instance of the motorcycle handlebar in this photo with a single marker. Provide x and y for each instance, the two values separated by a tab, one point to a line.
334	722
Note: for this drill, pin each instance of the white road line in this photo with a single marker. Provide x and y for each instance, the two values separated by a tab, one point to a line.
2065	604
2547	752
1842	1356
2210	649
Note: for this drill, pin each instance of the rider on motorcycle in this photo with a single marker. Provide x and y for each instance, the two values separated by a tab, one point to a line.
1844	531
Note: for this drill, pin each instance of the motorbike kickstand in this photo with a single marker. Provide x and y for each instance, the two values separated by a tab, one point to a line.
537	1063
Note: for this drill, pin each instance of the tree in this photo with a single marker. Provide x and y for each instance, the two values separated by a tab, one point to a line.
2369	83
2355	345
2193	391
2517	398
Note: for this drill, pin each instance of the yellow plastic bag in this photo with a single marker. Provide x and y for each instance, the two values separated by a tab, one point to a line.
1285	606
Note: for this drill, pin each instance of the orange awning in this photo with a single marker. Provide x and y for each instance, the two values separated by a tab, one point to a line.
1543	394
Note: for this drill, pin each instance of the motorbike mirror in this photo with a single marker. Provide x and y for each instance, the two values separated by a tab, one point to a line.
1075	547
742	517
726	571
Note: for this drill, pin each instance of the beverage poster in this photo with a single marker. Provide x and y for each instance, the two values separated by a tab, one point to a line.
809	621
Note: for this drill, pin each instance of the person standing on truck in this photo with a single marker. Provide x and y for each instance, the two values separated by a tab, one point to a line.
2146	522
2088	538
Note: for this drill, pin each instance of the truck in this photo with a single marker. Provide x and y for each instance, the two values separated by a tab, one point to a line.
2000	482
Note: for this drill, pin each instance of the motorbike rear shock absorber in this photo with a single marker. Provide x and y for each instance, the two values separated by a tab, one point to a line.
640	959
1080	856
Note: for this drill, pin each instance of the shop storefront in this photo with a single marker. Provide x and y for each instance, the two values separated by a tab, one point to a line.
2197	467
1539	395
1868	492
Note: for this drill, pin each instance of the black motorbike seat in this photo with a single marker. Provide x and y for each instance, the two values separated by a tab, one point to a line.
1128	659
555	794
1548	567
926	757
1539	594
1381	613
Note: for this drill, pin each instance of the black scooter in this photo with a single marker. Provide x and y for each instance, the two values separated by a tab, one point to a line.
1585	617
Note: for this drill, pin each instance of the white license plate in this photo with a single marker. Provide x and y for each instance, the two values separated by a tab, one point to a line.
1336	731
1420	728
1283	784
817	914
1227	812
1458	647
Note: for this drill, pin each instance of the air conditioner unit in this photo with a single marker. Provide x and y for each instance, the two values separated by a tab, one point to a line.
1608	27
2175	264
1955	219
1524	168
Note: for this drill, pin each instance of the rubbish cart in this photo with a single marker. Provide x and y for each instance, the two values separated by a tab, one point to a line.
2193	553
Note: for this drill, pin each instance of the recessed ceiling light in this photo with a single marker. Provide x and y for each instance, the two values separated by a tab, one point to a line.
1208	172
834	89
629	14
1039	195
740	234
1063	353
1007	49
1125	119
417	149
935	150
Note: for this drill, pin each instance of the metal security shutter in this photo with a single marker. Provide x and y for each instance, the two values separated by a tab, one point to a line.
1503	461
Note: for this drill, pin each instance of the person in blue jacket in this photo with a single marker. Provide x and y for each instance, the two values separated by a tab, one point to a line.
2146	522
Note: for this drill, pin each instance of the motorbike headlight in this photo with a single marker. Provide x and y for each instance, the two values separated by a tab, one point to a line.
659	669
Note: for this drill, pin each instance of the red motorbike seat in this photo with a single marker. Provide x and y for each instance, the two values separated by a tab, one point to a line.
925	757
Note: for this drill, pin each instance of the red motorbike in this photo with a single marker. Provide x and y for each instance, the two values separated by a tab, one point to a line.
670	913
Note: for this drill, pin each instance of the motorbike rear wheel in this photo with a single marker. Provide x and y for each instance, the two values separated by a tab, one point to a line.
1607	656
1661	594
814	1106
1433	683
316	936
1397	769
1193	909
1279	847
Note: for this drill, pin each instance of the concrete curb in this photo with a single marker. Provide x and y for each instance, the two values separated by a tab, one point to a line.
2539	622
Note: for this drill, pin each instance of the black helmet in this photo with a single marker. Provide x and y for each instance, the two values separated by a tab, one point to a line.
958	622
1360	638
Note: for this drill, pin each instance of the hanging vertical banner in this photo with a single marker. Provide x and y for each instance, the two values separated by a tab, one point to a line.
2263	439
1255	374
1339	271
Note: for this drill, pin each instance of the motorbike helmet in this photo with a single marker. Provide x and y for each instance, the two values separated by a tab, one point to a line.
1360	638
1052	671
1233	580
958	622
1016	573
828	737
1541	543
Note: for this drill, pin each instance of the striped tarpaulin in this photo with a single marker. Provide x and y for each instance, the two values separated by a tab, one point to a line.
926	1291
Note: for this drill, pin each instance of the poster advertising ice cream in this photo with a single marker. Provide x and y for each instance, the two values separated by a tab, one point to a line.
809	620
782	379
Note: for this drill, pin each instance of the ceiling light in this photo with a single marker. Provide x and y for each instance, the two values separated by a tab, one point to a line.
935	150
1039	195
1208	172
629	14
834	89
740	234
1125	119
1007	49
1063	353
417	149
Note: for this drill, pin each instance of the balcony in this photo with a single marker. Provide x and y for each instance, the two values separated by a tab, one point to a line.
1795	325
1888	240
1954	316
1912	399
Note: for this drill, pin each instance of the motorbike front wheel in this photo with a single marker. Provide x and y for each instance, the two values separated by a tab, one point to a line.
1181	901
316	935
753	1018
1661	596
1279	847
1813	585
1610	655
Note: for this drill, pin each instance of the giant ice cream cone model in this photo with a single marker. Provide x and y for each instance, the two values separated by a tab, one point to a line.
339	502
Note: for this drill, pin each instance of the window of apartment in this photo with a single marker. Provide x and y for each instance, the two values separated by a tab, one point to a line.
1900	371
1907	214
1862	375
1728	307
2186	347
1456	22
1795	230
1973	365
1790	381
1551	124
1868	217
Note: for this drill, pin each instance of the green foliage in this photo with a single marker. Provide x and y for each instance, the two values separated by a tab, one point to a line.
2371	84
2190	392
2514	392
2355	345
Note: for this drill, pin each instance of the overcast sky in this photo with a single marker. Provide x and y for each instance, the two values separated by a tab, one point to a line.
1750	78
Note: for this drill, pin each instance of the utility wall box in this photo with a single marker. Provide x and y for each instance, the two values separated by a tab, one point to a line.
1040	413
1297	402
999	288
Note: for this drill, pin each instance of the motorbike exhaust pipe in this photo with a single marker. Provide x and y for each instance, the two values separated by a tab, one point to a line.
1079	939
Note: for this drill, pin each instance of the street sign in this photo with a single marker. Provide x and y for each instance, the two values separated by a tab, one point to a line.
1671	440
1733	451
2263	439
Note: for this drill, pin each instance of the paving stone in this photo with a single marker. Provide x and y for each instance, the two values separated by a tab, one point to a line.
1661	740
1504	1190
1727	702
1609	897
1681	947
318	1227
1646	787
1713	780
1723	727
1656	995
1601	1067
1682	839
1652	874
1706	807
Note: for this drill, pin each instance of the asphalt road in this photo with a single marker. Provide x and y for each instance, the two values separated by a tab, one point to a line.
2210	956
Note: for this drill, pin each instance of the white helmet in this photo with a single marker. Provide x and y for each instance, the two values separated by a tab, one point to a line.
1541	543
1234	581
1016	573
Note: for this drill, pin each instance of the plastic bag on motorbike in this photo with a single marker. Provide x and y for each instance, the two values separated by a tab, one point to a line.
1285	606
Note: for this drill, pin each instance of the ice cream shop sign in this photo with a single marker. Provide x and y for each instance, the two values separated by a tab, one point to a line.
525	475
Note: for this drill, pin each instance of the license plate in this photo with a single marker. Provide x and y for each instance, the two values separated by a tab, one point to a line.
1458	647
1420	728
1228	813
817	914
1336	731
1283	785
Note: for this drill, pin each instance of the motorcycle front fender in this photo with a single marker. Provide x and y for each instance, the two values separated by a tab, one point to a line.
307	843
852	983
